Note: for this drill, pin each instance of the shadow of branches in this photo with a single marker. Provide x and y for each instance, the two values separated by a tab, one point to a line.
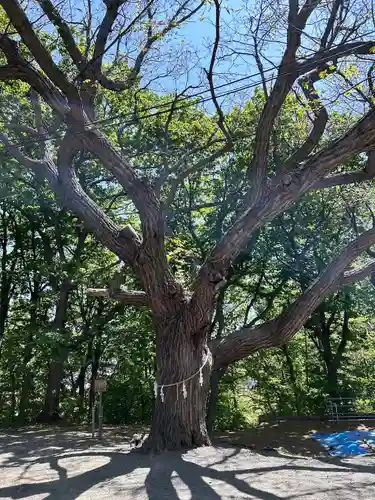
48	452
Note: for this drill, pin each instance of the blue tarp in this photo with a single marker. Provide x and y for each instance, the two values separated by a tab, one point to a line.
347	443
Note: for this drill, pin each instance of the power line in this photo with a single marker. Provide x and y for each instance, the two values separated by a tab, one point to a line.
47	136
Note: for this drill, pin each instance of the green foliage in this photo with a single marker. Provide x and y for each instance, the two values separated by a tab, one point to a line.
46	247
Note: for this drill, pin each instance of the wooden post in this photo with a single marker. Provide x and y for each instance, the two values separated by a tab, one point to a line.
100	432
100	386
93	416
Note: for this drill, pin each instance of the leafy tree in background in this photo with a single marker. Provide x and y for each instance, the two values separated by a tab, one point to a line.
61	78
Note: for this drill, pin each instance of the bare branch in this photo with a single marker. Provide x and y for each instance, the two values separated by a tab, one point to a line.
330	24
130	298
321	116
174	22
103	33
100	47
65	33
210	75
22	24
287	74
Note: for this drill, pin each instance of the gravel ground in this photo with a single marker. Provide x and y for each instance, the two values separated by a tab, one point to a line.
56	464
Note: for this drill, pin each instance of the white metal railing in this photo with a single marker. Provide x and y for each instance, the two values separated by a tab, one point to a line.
339	409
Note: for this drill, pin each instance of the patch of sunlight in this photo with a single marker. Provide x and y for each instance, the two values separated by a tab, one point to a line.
227	490
79	464
54	468
182	489
126	485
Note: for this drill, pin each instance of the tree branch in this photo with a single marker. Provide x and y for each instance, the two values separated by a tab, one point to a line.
174	22
95	64
321	116
278	196
65	33
342	50
42	169
278	331
210	74
20	69
23	26
358	274
330	24
123	242
287	74
65	185
131	298
367	174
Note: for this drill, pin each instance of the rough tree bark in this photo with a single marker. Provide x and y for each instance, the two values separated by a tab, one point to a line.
182	319
177	361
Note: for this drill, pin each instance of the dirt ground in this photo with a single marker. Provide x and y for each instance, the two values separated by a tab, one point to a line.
55	463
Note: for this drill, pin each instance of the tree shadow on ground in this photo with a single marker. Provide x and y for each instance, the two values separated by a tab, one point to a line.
50	451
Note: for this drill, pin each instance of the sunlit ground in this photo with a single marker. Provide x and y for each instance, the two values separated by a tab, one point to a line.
283	463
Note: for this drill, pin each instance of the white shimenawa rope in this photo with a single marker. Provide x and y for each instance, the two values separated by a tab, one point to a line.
181	382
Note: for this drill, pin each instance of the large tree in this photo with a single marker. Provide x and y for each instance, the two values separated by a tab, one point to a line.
66	66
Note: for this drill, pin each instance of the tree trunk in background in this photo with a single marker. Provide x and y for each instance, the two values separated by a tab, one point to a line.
81	387
28	355
94	373
332	379
293	378
26	379
8	264
180	422
214	397
51	408
24	396
81	379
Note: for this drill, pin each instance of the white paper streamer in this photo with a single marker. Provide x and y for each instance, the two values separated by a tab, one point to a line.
182	382
201	377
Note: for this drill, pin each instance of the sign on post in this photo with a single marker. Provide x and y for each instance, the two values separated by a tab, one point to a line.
100	385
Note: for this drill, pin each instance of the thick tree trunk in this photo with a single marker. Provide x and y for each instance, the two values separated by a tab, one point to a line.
180	422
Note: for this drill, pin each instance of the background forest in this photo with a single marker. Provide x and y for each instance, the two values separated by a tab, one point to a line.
57	335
